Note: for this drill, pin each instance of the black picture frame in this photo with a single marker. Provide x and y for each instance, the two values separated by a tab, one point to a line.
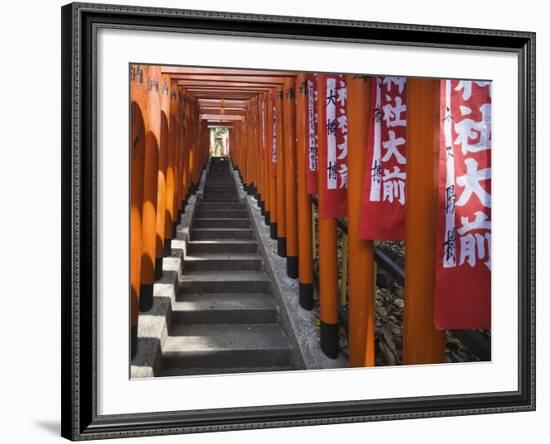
79	169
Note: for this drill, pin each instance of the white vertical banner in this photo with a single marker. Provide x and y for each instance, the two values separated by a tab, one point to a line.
376	183
332	179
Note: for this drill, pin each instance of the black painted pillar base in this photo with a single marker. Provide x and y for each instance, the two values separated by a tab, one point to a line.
329	340
292	266
266	218
167	248
175	228
133	342
158	268
281	246
183	205
306	296
145	297
273	232
261	204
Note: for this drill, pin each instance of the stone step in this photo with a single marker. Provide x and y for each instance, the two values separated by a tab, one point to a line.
223	262
221	206
221	222
221	233
224	282
226	345
222	246
224	184
219	190
217	371
223	308
215	197
221	213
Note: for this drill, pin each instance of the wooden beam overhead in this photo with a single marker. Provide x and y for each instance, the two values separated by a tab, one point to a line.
229	89
228	79
224	71
226	108
217	95
220	117
222	102
217	88
222	112
225	85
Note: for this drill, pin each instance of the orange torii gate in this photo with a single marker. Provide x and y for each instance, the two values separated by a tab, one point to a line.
265	112
162	171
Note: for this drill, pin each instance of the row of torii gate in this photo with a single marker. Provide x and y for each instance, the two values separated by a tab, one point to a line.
172	112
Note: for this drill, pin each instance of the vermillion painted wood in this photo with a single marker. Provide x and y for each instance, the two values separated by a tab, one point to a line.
305	259
137	155
150	182
422	343
328	282
361	252
281	195
289	123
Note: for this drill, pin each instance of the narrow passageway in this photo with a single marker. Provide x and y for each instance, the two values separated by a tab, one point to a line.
342	171
224	319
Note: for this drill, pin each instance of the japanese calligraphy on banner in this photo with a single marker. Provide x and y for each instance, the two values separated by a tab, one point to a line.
312	142
335	169
264	141
463	261
274	142
383	207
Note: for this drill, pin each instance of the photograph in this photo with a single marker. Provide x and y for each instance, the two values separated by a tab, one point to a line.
274	216
276	221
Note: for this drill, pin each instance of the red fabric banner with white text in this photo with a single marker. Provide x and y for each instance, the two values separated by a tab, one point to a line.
274	141
463	261
334	170
383	206
312	158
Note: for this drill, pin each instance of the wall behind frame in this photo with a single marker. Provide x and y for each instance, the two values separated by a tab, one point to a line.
30	234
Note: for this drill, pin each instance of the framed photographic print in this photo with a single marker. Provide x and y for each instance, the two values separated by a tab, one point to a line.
273	221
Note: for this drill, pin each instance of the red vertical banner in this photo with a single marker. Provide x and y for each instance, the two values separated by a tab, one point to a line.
274	141
334	170
463	271
383	208
312	142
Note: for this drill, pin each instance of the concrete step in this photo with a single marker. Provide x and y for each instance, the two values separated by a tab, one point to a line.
221	190
220	184
221	213
221	233
217	371
221	206
224	282
222	246
223	262
215	197
223	308
226	345
221	222
208	188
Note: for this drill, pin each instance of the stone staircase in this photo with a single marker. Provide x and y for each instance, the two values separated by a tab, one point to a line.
224	319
